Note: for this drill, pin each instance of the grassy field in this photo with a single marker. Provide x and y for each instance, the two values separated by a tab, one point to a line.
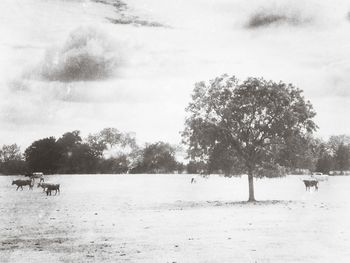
164	218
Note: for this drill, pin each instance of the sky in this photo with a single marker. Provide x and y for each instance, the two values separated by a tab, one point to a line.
86	65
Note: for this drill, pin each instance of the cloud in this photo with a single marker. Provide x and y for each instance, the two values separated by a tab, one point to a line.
273	15
86	55
267	19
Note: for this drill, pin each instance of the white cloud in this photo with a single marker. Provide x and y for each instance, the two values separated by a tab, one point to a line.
87	54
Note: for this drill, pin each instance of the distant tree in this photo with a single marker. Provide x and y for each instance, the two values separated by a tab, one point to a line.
109	140
69	140
43	156
324	164
82	160
194	167
336	140
10	152
325	160
342	158
299	153
11	160
118	152
157	158
97	145
250	118
114	165
71	153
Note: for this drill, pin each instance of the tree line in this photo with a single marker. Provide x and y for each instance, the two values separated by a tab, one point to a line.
108	151
114	152
302	156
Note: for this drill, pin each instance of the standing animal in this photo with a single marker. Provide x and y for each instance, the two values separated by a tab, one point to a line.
52	187
21	183
36	175
310	183
43	186
39	176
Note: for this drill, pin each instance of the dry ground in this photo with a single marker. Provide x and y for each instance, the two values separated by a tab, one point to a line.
164	218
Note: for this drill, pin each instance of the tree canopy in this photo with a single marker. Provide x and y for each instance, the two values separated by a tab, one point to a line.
11	160
157	157
252	119
43	156
108	151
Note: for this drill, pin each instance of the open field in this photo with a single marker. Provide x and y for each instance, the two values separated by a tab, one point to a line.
164	218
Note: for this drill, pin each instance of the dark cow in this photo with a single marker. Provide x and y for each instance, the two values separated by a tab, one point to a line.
43	186
310	183
21	183
52	187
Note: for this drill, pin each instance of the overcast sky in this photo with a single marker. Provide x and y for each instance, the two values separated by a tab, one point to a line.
138	76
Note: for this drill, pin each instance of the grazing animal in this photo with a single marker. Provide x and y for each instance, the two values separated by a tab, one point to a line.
34	176
52	187
40	177
21	183
311	183
37	176
43	186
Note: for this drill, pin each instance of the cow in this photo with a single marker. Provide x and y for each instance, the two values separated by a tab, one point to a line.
21	183
39	176
310	183
52	187
36	175
43	186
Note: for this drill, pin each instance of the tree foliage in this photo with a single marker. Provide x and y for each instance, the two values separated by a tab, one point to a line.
71	154
43	155
75	156
157	158
11	160
325	161
251	119
336	140
342	158
111	140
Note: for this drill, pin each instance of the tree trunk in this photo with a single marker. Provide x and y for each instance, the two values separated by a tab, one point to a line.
251	186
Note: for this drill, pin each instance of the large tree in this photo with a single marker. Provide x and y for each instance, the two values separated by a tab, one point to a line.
76	156
252	118
43	156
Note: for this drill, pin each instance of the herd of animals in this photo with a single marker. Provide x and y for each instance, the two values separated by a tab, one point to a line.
48	188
